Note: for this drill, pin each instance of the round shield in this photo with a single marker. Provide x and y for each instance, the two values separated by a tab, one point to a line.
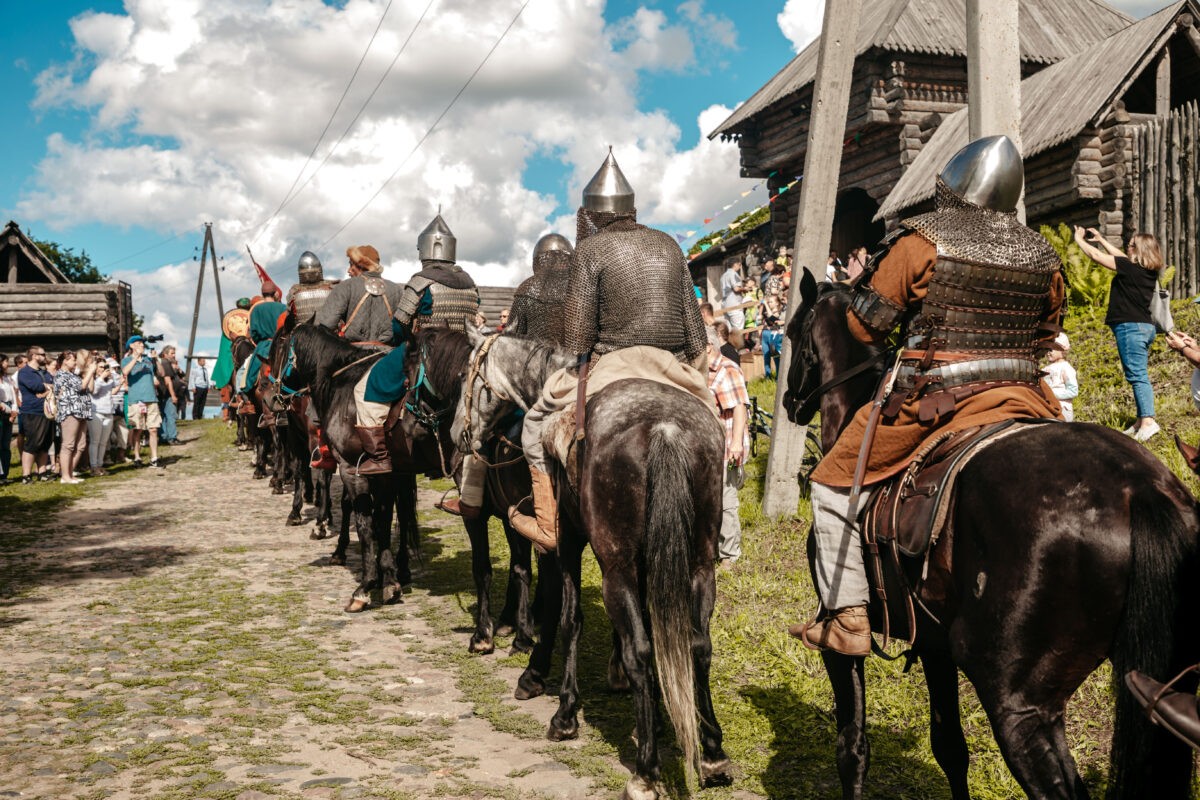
236	323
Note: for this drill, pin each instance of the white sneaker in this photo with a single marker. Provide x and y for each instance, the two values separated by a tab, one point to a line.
1146	431
1131	430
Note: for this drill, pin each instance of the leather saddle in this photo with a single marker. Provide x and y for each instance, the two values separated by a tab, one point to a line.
907	535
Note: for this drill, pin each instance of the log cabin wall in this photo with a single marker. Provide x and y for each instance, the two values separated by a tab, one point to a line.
64	316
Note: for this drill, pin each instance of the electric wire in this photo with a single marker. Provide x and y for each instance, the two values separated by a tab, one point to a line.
292	196
288	194
432	127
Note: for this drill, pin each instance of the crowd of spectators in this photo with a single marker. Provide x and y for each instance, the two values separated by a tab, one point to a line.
82	410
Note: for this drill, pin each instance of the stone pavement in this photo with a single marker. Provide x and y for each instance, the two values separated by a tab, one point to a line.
167	636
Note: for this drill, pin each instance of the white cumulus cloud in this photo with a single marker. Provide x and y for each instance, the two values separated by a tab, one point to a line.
800	21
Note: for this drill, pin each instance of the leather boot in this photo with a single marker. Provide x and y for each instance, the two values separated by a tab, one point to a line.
542	528
458	508
376	460
846	631
324	459
1175	711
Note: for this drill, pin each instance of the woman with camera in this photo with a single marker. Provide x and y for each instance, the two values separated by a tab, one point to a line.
100	426
72	386
1129	313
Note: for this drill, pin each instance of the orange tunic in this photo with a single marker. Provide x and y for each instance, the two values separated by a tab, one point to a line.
903	277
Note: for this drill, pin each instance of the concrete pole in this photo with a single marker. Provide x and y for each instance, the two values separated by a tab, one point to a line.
994	73
814	226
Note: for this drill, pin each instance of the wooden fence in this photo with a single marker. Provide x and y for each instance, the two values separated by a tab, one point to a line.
1165	196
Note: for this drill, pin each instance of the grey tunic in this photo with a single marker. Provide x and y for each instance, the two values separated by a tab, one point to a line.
373	322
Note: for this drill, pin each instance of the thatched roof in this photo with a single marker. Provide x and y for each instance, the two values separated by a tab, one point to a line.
1056	103
1050	30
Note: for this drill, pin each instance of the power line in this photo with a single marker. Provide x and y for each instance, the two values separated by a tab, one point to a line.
287	195
292	196
155	246
432	127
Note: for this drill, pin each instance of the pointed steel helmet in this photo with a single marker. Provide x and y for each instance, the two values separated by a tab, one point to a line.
309	268
608	191
987	173
437	242
550	243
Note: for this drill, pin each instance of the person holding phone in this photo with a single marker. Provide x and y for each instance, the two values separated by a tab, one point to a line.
100	425
1129	313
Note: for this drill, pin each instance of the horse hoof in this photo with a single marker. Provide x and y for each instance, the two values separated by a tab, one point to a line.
356	605
527	689
716	773
315	535
337	561
258	477
520	646
393	594
638	788
292	522
505	629
558	733
481	646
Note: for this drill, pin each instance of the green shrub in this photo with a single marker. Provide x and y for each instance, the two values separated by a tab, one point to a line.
1088	283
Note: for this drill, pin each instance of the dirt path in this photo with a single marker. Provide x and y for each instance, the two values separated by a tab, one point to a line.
171	638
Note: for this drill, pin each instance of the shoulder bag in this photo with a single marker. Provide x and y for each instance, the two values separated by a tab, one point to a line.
1160	309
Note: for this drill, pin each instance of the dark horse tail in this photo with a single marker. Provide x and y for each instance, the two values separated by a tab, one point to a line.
1157	636
669	520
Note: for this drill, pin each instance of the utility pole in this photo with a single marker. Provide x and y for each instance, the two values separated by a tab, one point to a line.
814	227
209	250
994	73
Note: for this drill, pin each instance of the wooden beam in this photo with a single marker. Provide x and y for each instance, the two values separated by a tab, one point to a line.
814	228
1162	84
12	264
994	73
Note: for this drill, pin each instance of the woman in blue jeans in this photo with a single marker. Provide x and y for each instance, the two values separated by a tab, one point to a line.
1129	314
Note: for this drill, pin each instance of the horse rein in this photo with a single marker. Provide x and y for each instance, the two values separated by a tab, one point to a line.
475	372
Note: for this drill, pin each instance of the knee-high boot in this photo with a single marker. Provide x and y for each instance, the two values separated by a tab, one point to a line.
376	460
542	528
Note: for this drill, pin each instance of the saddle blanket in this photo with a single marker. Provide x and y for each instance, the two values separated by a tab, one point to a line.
647	363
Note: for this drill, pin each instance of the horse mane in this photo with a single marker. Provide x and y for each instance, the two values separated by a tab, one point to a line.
325	346
446	353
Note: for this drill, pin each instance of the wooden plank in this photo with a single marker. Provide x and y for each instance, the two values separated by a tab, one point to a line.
1162	84
26	314
57	288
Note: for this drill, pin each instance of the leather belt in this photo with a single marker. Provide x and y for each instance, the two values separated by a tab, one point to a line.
960	373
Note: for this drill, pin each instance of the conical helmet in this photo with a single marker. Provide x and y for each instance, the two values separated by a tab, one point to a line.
987	173
436	242
608	191
309	268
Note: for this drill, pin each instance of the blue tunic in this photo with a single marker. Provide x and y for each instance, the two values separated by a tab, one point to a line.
387	381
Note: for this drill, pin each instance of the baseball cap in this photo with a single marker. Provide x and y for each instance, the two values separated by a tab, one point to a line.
132	339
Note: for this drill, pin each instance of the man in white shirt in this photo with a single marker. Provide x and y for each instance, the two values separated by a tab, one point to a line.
198	383
731	283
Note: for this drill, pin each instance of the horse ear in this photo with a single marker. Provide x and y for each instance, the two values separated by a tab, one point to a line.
1190	454
808	288
474	336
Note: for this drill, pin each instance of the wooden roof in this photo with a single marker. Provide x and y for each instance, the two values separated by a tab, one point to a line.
1056	103
1050	30
28	252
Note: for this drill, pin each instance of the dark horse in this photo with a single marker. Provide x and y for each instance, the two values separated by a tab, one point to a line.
295	435
1068	544
240	349
649	503
435	365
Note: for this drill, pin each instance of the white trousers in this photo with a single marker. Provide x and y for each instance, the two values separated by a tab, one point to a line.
729	546
841	572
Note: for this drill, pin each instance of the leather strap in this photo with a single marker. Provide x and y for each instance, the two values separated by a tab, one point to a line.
354	313
581	398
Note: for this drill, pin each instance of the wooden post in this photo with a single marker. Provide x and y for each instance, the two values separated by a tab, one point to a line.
209	250
1162	84
12	260
994	73
814	227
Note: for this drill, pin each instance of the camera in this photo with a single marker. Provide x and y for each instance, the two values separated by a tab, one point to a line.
153	339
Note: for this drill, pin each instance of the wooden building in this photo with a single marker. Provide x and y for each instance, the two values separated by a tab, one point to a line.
40	306
1110	138
910	73
706	267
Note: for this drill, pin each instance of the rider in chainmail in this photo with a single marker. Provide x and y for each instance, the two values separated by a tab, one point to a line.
979	295
305	298
630	301
442	294
538	302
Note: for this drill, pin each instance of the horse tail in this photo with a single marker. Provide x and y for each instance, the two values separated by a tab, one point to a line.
670	517
1155	638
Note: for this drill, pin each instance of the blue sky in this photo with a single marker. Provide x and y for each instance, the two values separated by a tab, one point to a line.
133	122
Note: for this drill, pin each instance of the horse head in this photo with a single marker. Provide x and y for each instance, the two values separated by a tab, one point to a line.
830	370
1190	454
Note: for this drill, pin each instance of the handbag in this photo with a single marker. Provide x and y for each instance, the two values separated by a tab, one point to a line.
50	406
1160	309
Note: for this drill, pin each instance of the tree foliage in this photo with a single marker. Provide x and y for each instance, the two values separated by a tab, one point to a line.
1088	283
741	223
78	268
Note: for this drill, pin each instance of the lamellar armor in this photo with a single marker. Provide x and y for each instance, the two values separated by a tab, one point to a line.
981	320
442	294
629	284
537	307
306	299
